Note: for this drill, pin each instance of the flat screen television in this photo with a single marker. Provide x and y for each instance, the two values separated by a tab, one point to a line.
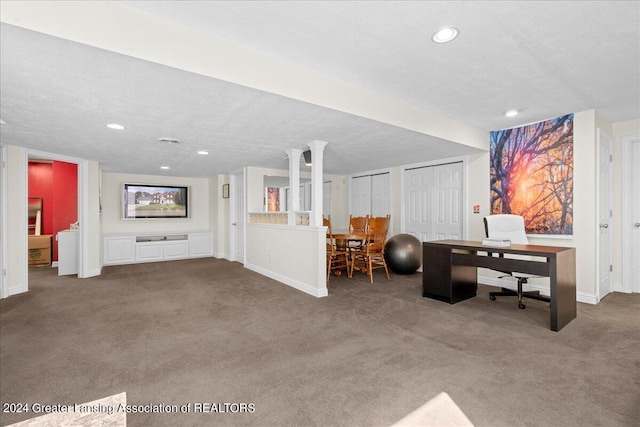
143	201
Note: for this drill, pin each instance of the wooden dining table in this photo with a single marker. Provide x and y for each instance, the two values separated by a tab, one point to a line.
343	238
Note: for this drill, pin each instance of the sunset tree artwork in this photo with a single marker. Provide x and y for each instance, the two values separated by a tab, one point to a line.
532	175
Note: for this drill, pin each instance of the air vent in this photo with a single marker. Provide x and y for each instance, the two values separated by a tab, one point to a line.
169	140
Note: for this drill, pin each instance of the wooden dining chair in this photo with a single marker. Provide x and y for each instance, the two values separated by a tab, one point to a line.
357	224
371	255
337	258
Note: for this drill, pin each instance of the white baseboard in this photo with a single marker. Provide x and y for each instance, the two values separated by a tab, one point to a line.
501	283
316	292
586	298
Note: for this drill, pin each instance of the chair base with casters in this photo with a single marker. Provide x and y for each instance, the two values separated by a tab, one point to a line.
519	293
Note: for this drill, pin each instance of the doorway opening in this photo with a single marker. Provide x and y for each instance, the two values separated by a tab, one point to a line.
57	182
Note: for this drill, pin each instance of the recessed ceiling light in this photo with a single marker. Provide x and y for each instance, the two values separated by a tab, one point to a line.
511	113
165	167
115	126
204	153
445	34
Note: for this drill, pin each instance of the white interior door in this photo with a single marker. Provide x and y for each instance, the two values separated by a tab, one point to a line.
326	199
418	203
433	202
380	195
604	214
2	209
361	195
447	182
237	217
635	218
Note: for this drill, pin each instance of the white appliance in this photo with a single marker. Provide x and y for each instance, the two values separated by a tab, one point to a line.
67	252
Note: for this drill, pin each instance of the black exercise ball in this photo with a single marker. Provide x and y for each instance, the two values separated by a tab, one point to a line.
403	253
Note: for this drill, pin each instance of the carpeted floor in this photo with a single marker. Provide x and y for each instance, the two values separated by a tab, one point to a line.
209	331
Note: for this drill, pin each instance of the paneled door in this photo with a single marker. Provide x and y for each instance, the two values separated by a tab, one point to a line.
380	197
634	226
604	214
433	202
418	203
326	199
361	196
447	184
238	217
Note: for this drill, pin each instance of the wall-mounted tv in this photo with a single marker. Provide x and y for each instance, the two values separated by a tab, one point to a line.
143	201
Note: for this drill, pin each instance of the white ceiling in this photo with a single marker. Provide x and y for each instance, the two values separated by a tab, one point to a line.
542	58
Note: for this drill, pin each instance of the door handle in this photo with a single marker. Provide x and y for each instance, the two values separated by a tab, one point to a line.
604	225
637	225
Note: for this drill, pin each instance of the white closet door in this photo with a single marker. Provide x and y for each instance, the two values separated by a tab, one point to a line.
361	195
326	199
433	202
307	196
380	198
302	198
288	203
448	201
238	217
418	203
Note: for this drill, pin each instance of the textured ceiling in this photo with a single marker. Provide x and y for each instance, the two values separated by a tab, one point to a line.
543	58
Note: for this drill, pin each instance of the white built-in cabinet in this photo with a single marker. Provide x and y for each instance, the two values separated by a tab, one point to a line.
137	248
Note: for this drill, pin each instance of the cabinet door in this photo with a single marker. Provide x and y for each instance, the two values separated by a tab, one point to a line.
149	251
200	244
176	250
119	250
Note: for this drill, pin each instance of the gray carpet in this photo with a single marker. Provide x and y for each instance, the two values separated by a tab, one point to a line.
210	331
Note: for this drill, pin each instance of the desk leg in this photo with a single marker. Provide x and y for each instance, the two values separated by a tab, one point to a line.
563	289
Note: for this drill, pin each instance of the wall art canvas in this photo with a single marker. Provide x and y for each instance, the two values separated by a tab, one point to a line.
273	199
532	175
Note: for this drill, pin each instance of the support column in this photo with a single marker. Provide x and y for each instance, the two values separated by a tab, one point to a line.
317	155
294	183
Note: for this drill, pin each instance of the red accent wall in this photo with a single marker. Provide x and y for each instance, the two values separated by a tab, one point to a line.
41	185
57	184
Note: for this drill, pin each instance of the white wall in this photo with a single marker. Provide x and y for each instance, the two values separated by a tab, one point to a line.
16	217
294	255
91	247
200	215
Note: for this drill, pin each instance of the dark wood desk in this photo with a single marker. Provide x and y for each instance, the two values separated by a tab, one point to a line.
450	272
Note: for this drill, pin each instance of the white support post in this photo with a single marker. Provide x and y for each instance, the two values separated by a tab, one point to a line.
294	183
317	155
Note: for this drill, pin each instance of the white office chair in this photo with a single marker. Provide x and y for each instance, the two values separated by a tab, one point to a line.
511	227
